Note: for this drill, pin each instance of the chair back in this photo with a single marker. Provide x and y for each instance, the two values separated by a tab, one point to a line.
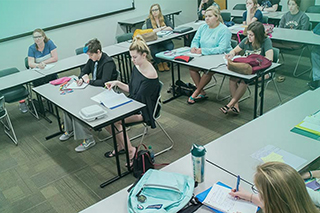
26	62
265	19
144	26
2	106
279	7
124	37
276	53
8	71
79	50
240	7
313	9
234	43
310	25
226	16
157	107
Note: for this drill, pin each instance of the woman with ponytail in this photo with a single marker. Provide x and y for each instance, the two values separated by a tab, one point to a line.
211	38
144	87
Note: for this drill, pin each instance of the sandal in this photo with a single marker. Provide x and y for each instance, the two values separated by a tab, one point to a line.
235	110
201	98
281	78
224	109
193	100
111	154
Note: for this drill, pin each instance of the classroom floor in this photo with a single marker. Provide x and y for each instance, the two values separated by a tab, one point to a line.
49	176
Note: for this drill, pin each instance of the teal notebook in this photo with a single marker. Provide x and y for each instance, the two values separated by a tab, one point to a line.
305	133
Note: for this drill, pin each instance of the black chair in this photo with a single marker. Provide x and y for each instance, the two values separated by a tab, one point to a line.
279	7
265	19
240	7
313	9
124	37
5	120
226	16
26	62
79	50
17	93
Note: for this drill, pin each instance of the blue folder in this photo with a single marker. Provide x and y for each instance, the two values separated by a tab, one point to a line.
305	133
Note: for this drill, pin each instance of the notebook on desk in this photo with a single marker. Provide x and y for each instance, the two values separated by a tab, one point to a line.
182	29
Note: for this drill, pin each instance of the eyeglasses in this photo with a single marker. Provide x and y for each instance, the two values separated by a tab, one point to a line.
154	10
254	189
37	37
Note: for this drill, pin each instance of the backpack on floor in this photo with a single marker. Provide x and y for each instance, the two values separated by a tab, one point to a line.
142	161
159	191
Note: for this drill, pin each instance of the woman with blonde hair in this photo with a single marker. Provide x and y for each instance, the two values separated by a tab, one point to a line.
144	87
211	38
158	22
280	189
42	52
252	13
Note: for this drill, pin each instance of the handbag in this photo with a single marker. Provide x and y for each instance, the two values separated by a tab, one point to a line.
142	161
147	34
268	28
249	65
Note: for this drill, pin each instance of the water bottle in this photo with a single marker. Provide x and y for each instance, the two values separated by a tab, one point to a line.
23	106
198	160
151	153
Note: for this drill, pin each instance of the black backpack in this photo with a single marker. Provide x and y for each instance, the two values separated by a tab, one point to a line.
142	162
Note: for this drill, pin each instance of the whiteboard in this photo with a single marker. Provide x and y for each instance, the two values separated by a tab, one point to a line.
20	17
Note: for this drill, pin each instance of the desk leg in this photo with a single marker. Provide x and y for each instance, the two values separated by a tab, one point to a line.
120	175
174	95
43	114
59	124
262	94
255	98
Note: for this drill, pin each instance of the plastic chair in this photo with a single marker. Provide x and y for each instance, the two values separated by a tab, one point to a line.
239	7
156	116
265	19
313	9
26	62
5	120
79	50
279	7
17	93
226	16
124	37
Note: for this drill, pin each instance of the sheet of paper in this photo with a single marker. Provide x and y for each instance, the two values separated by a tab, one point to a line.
111	99
219	198
273	157
288	158
74	85
47	67
193	54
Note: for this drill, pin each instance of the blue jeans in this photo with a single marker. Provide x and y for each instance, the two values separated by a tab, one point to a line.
156	48
315	59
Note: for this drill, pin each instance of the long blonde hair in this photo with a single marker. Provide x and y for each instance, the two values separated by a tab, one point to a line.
282	189
153	21
216	12
139	44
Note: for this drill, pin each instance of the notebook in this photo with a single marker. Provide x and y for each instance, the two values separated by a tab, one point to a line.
182	29
111	99
219	200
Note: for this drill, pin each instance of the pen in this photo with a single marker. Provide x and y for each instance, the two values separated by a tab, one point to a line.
238	183
75	79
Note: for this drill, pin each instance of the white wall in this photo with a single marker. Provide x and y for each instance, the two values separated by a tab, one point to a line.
69	38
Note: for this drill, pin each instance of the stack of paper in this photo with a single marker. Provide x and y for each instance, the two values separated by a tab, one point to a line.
311	124
111	99
218	198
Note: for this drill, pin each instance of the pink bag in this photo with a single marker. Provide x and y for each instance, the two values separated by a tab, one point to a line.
257	62
60	81
268	28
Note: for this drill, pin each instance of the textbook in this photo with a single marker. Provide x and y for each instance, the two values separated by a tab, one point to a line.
219	200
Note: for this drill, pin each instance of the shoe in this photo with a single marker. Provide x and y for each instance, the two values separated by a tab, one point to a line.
165	66
66	136
281	78
225	109
86	144
235	110
313	85
200	98
111	154
160	67
191	100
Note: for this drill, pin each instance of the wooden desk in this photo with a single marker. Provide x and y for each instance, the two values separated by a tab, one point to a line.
130	23
72	104
232	151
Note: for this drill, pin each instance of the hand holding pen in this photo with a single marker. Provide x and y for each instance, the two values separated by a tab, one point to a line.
110	84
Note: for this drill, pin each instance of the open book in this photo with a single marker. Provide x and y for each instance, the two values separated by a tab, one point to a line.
111	99
218	198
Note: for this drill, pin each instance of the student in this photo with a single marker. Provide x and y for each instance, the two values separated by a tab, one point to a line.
42	52
256	42
315	59
211	38
252	13
315	195
280	188
144	87
268	5
294	18
158	22
204	4
103	69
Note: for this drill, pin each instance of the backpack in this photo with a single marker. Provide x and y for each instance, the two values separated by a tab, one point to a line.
142	161
249	65
159	191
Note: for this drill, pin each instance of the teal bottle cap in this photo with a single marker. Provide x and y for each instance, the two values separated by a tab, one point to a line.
197	150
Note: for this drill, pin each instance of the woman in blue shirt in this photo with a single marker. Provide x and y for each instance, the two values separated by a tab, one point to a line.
252	13
211	38
42	52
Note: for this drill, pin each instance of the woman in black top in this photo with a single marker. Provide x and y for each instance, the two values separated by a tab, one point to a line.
143	87
158	22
